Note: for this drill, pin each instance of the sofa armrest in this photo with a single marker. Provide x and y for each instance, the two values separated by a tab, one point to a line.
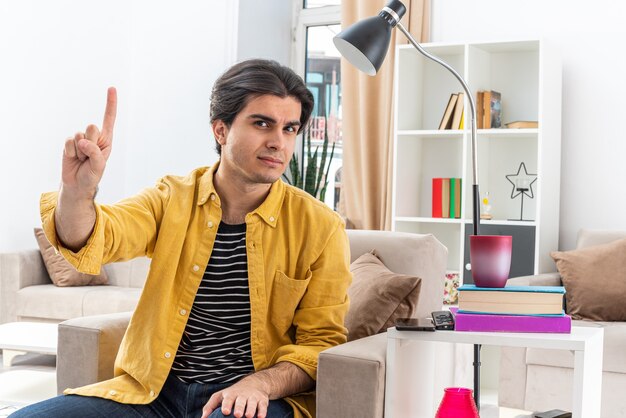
17	271
544	279
351	379
87	348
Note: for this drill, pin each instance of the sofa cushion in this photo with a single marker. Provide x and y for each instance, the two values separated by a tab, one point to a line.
614	354
378	297
595	281
62	272
60	303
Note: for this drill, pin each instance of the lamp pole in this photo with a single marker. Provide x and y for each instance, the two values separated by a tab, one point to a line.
365	45
475	193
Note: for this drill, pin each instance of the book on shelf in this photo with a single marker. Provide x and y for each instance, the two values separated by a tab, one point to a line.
446	120
522	124
455	198
458	111
445	198
480	110
495	107
511	323
490	109
436	204
527	300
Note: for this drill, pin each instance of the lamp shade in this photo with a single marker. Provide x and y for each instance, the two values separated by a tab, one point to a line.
365	43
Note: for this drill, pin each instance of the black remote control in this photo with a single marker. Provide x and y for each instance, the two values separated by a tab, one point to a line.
443	320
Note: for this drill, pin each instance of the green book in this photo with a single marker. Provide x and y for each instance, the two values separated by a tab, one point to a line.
454	185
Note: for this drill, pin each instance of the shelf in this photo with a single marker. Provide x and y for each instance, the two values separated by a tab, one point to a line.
431	132
506	222
422	219
455	132
431	220
527	73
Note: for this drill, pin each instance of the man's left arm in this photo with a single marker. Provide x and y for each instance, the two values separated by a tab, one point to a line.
252	394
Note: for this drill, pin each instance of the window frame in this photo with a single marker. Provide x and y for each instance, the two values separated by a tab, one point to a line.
302	19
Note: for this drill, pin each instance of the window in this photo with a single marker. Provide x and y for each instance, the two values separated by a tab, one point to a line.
310	4
317	60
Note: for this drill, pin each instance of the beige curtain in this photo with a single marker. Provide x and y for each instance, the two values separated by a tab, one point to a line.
367	123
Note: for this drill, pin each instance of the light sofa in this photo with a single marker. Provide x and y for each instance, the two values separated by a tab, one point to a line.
351	377
27	293
540	379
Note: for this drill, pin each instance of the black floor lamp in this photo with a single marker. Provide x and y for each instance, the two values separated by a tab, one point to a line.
365	45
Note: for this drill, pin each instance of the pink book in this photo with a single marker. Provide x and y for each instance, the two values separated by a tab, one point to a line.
511	323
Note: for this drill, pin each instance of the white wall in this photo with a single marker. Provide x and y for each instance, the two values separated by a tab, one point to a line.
591	38
265	30
57	59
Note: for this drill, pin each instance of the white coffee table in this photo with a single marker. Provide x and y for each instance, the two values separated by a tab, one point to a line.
19	337
411	366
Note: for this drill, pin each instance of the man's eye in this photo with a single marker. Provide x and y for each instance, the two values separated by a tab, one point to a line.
291	129
261	123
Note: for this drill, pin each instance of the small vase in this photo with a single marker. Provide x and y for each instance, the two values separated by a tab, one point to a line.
457	403
490	257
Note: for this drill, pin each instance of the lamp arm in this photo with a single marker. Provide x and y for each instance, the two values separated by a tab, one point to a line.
470	97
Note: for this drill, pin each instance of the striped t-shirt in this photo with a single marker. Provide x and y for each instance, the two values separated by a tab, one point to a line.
215	347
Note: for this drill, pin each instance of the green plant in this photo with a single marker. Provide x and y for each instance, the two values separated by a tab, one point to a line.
315	179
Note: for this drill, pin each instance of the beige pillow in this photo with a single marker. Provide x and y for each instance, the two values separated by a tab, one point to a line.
60	270
378	297
595	281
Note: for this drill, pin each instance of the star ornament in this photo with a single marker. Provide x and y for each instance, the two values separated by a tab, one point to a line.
522	183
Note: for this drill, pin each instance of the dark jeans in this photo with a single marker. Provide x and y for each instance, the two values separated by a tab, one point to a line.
176	400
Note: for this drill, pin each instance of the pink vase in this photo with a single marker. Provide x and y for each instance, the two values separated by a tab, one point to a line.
457	403
490	257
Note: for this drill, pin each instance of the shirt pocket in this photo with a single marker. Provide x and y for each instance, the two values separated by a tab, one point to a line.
285	298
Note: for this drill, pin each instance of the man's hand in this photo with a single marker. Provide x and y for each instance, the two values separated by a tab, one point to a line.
84	159
86	153
253	393
244	399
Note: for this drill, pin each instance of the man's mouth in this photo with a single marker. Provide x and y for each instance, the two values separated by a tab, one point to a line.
271	161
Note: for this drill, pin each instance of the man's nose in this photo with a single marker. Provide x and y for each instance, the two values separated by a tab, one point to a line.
277	140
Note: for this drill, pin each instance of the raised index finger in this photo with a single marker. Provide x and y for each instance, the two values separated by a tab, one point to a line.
109	113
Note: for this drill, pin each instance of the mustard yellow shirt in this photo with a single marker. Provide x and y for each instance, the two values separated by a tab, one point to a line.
298	269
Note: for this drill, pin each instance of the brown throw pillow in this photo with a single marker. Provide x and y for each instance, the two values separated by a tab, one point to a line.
60	270
378	297
595	281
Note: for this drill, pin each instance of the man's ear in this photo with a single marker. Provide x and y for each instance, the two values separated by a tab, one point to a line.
220	131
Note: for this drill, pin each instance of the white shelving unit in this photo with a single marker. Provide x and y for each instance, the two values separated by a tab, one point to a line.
528	75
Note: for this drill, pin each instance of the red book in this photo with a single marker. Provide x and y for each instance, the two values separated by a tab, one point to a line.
437	192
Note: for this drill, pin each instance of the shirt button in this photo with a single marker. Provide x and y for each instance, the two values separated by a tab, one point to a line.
182	312
196	267
168	354
210	224
112	393
152	393
272	219
212	197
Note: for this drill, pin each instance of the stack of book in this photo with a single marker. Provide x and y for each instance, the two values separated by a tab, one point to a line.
512	309
446	198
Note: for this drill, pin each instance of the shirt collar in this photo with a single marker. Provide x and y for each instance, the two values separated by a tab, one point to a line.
269	210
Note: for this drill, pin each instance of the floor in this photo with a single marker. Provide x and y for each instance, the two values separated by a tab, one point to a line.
31	378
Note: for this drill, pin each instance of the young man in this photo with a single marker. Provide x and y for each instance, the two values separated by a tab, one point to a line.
248	276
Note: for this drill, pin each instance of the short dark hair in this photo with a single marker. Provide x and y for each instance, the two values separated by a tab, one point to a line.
253	78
